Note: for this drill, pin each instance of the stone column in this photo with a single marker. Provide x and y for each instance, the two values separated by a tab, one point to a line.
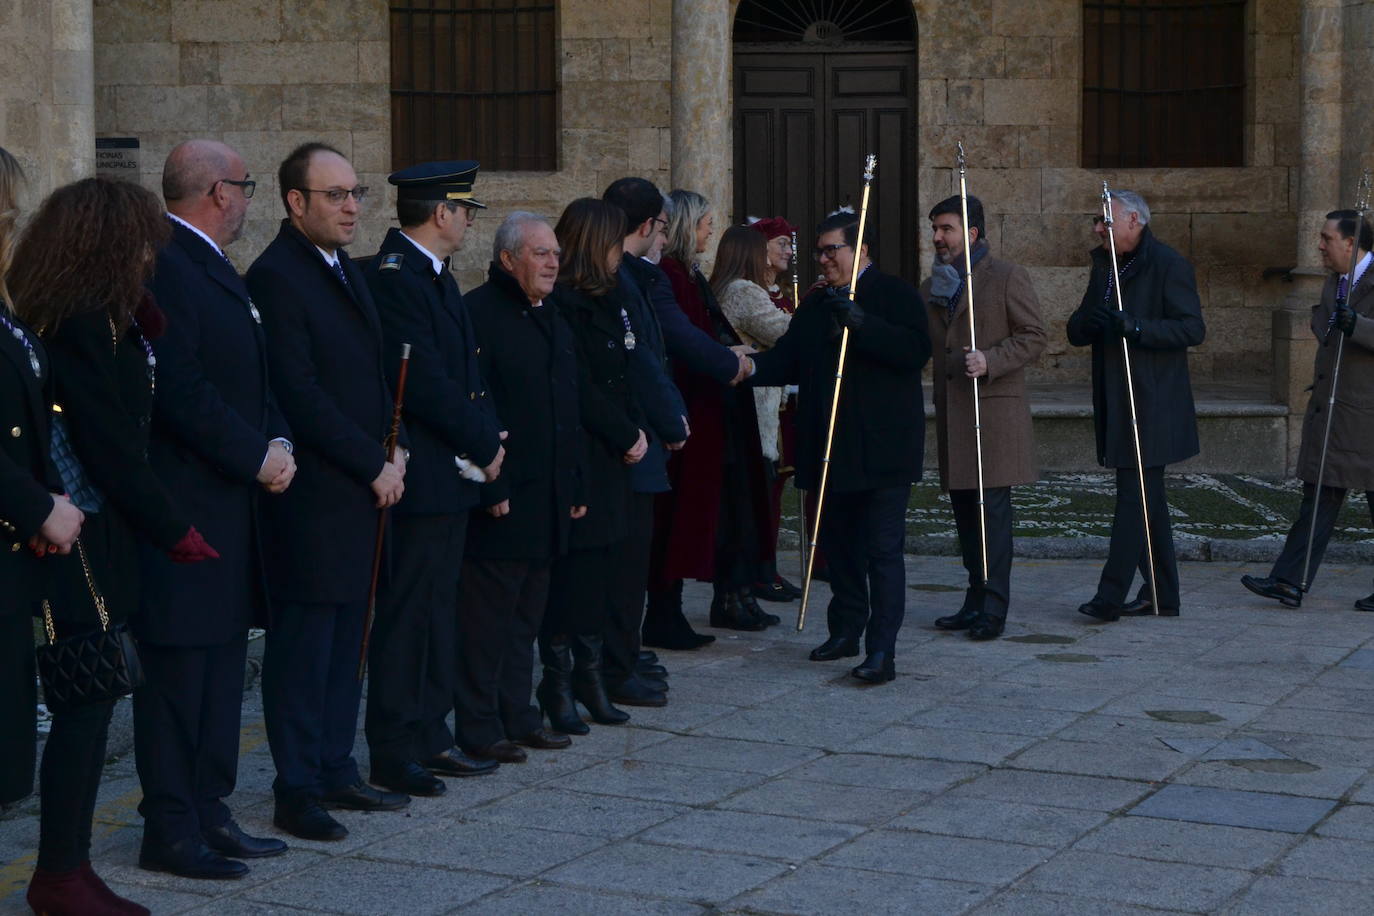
1319	192
47	113
701	103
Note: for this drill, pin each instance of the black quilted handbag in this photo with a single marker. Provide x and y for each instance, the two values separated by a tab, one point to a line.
89	667
85	495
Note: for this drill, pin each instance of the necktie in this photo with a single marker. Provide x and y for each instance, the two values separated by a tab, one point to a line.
338	269
1340	289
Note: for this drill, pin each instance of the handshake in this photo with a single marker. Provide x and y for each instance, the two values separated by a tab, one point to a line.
746	365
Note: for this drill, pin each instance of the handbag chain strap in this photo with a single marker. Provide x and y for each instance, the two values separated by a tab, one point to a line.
97	598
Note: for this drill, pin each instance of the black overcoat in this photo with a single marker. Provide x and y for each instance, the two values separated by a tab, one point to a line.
880	430
212	422
611	416
664	409
27	477
529	359
447	409
105	388
1160	291
324	354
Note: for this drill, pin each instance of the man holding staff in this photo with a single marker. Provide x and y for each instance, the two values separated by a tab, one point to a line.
879	435
1009	336
1346	309
1159	319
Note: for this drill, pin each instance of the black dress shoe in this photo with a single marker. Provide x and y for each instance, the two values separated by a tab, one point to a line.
1101	609
1365	604
960	621
503	751
454	762
362	797
647	670
638	691
1144	607
544	740
751	606
408	777
729	613
877	668
189	858
771	591
309	821
986	627
836	647
228	839
1285	593
788	587
648	657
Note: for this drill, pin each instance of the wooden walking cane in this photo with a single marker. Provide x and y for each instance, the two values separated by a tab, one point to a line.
382	513
1361	205
1107	221
870	166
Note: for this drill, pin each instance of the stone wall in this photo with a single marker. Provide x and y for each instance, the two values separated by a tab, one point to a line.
46	115
1357	92
1005	75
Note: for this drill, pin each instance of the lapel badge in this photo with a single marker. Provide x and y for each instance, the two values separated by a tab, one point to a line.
392	261
253	310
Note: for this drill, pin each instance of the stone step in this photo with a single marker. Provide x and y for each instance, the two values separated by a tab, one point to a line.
1241	429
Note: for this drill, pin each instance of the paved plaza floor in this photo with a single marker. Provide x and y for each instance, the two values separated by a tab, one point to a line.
1219	762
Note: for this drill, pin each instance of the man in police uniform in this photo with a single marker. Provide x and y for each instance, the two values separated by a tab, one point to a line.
455	444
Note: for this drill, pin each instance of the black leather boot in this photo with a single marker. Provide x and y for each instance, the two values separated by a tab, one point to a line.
752	606
728	613
666	627
554	692
587	684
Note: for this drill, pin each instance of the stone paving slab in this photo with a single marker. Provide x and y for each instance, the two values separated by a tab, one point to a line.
1217	762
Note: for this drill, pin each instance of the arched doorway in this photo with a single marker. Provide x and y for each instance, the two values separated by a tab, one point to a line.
818	85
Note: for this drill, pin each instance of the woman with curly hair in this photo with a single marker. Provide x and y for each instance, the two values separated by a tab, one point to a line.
78	280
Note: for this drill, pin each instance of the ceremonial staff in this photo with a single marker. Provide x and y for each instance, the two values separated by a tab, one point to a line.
973	348
1108	222
801	494
382	513
870	166
1361	205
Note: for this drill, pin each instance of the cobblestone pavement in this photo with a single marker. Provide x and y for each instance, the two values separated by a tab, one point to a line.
1218	762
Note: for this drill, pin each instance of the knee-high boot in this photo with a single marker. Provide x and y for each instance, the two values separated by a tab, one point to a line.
587	684
554	692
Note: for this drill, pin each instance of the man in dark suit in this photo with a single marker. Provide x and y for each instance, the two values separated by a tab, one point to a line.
1162	318
452	426
217	439
325	355
879	435
529	359
631	680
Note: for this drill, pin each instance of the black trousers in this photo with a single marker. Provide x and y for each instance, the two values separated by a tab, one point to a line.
579	591
413	647
864	534
69	781
737	534
630	578
993	598
310	696
1127	552
1289	565
18	705
500	607
186	736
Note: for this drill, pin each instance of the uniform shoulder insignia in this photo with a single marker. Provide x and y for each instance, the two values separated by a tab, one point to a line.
392	261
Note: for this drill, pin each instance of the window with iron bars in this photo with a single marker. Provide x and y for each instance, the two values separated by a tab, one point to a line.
474	79
1163	83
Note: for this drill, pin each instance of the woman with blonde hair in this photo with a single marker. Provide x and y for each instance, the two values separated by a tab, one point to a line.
712	525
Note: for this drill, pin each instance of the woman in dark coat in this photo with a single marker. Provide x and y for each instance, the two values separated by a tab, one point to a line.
714	524
591	233
95	322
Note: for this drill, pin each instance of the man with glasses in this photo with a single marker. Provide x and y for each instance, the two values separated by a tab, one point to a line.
1162	318
218	440
879	436
455	444
328	372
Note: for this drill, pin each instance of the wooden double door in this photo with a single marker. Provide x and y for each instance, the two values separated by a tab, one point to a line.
804	121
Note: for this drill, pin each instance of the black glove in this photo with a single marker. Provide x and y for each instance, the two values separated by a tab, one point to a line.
846	313
1345	319
1124	323
1096	322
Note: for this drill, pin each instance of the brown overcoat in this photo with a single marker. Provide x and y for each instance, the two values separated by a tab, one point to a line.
1350	455
1012	335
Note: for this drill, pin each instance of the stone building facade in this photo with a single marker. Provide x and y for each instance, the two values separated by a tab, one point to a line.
645	88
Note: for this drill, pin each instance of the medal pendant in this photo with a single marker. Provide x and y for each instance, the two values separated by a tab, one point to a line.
33	361
629	340
253	310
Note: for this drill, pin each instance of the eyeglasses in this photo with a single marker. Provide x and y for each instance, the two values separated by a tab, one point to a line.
660	225
247	186
337	196
828	251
